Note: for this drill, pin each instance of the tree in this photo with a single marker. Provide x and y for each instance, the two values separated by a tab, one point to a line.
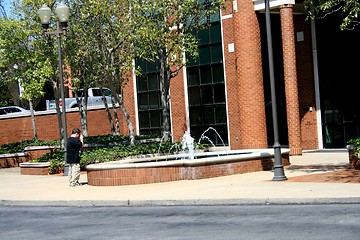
100	38
3	13
349	11
33	52
21	60
167	29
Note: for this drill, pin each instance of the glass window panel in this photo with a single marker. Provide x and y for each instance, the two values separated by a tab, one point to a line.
155	132
220	115
216	53
203	36
142	64
215	33
193	76
207	95
219	93
195	116
208	114
215	17
155	119
194	96
218	72
222	138
203	18
191	61
144	119
204	55
151	67
153	81
153	100
195	133
142	83
205	74
107	92
145	132
143	101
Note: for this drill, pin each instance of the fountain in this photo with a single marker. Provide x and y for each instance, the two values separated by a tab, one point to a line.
187	165
187	145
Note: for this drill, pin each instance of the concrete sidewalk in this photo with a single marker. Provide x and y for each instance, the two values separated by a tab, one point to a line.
249	188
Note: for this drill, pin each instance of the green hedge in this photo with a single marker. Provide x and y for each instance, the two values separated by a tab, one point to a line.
109	154
114	147
356	143
105	140
20	146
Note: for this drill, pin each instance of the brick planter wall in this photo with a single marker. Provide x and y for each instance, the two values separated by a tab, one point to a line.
34	168
133	176
12	159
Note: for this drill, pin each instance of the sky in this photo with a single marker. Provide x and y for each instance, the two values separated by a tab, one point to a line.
6	4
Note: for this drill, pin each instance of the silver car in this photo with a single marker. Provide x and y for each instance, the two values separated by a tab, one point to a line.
12	110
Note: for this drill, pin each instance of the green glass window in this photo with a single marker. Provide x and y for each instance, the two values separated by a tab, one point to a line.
206	87
148	94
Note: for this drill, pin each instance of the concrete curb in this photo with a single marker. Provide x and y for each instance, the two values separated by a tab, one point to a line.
190	202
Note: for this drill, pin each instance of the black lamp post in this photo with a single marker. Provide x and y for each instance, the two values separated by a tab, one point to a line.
278	166
62	12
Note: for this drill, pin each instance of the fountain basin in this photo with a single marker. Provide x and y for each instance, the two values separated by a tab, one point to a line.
155	169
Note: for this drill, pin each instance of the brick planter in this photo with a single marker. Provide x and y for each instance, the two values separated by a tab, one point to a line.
143	171
29	168
10	160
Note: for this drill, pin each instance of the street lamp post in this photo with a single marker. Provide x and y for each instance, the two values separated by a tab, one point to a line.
278	166
62	12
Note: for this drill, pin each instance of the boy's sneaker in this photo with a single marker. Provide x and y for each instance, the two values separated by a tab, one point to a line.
75	184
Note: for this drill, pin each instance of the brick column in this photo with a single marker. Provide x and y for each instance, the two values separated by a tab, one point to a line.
252	118
177	107
290	77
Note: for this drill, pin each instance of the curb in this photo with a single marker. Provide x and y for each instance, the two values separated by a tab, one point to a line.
190	202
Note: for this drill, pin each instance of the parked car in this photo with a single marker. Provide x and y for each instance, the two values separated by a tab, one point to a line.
94	99
12	110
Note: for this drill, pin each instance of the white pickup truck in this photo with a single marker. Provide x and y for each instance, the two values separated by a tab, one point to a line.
94	99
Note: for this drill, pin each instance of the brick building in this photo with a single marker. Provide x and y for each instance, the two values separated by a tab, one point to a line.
228	87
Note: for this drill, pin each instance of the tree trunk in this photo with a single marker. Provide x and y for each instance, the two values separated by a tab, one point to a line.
108	112
165	98
82	105
33	119
116	117
127	117
58	113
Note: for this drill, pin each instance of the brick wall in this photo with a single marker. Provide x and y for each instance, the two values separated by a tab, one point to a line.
252	132
19	128
305	76
34	171
178	109
290	78
244	86
137	175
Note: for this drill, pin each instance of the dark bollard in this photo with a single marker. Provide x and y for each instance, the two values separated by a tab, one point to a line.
352	158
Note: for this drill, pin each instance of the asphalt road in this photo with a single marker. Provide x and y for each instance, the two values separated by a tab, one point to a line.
336	221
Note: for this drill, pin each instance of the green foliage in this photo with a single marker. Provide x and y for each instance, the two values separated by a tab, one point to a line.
122	150
356	143
21	55
166	32
348	10
111	140
56	160
20	146
104	140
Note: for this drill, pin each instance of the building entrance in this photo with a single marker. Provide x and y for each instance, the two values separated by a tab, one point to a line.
339	81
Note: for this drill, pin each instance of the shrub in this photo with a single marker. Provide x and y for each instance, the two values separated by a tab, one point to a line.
116	148
20	146
354	160
56	160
